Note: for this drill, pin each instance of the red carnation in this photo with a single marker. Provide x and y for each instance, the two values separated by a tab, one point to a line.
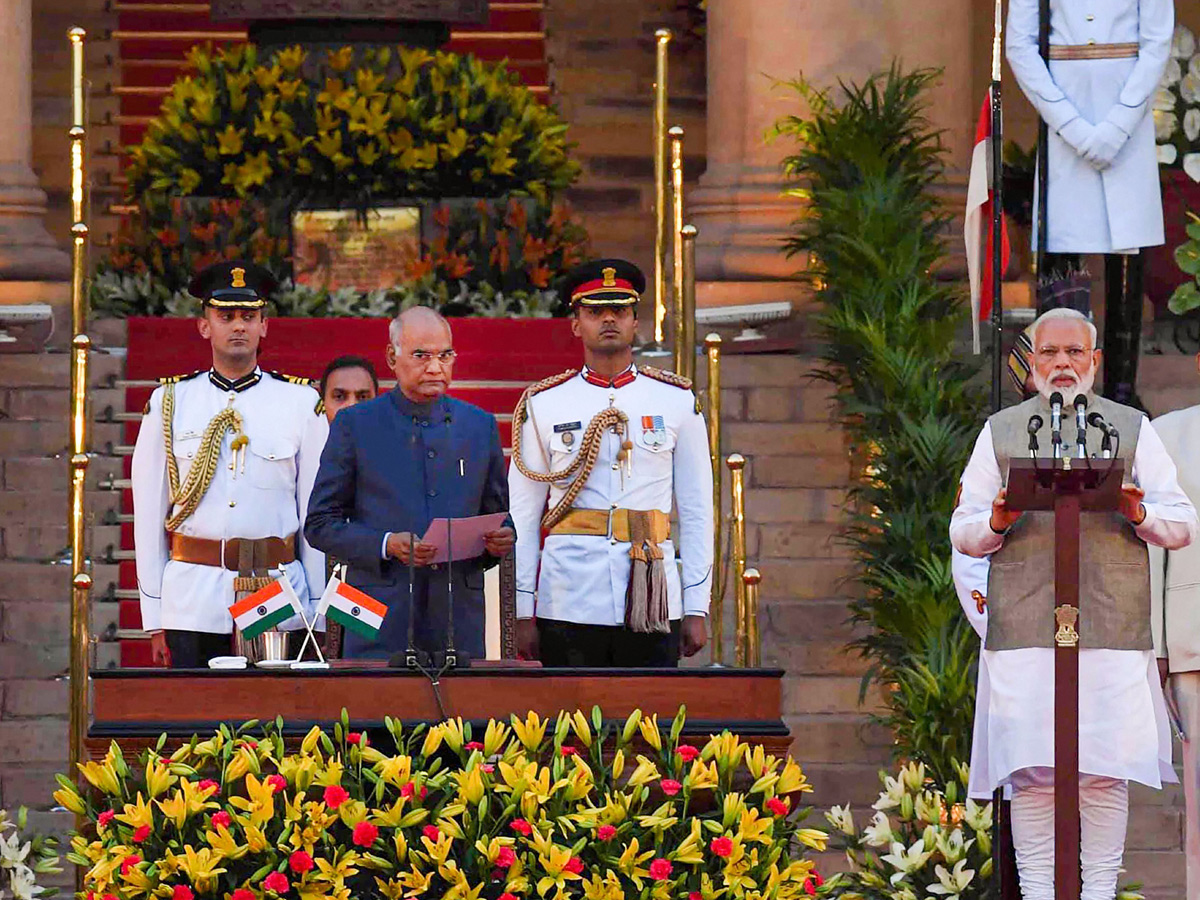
487	767
335	796
809	887
520	826
277	883
472	745
129	862
242	894
574	864
300	862
109	897
208	785
721	846
356	737
408	789
777	806
505	857
606	832
365	834
660	869
687	752
568	750
670	787
141	833
695	895
104	818
222	818
507	896
253	745
278	782
431	832
182	892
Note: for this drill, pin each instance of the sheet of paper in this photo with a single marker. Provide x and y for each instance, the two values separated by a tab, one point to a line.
465	536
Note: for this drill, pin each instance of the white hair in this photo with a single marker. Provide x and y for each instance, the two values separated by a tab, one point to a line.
396	327
1061	312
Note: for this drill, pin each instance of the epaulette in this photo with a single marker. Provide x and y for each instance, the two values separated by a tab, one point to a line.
666	377
175	379
537	387
292	379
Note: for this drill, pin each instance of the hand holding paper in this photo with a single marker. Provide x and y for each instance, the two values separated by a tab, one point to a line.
456	539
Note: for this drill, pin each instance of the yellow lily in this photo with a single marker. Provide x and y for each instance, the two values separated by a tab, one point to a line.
69	799
433	737
650	733
200	866
702	776
530	732
259	803
339	60
470	785
416	883
230	140
753	829
554	862
496	735
791	779
391	889
691	850
606	887
645	772
583	731
137	814
101	776
292	58
224	843
630	863
158	776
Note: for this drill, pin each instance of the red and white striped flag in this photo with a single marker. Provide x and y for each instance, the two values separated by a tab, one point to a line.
977	229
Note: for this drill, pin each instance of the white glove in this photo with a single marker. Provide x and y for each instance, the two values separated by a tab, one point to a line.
1077	133
1104	145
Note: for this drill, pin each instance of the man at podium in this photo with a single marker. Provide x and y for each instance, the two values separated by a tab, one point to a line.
1123	726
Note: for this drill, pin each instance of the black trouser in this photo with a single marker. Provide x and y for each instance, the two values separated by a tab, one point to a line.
570	645
193	649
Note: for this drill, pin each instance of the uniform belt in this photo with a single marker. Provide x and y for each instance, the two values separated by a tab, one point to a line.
614	523
1094	51
225	554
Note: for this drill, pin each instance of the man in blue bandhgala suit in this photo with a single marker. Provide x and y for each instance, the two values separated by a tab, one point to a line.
390	467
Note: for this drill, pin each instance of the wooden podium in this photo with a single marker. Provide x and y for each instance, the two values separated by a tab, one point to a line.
135	706
1068	487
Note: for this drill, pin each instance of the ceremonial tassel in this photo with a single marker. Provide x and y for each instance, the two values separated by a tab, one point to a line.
658	618
637	603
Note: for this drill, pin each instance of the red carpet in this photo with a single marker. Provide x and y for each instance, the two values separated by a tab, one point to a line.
497	359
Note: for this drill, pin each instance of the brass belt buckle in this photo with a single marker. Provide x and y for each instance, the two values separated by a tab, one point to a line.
611	509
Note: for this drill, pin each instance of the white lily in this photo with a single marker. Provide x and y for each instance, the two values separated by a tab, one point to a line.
23	883
913	776
1191	124
928	807
1191	165
893	793
952	846
978	817
842	819
1167	154
1165	124
1189	86
1183	42
1172	73
906	861
879	832
952	883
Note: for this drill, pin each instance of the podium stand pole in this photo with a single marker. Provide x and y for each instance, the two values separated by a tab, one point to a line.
1066	695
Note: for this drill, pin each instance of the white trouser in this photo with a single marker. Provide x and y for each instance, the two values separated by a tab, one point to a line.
1185	687
1103	811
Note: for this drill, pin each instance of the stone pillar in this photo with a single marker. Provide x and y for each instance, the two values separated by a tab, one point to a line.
738	206
27	251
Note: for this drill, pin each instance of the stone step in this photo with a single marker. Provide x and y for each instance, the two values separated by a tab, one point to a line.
50	507
23	439
52	473
31	581
1161	873
53	370
40	543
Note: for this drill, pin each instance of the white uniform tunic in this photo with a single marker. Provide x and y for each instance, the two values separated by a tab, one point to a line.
1123	727
584	578
1119	208
267	499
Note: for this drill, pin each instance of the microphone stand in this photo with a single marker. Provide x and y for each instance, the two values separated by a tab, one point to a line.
451	656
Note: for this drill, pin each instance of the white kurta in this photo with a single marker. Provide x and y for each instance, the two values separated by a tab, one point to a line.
268	499
583	579
1119	208
1123	727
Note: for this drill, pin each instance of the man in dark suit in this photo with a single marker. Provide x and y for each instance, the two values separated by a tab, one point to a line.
391	466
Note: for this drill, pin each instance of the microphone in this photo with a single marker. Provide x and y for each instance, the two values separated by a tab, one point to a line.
1056	405
1109	431
1034	426
1081	425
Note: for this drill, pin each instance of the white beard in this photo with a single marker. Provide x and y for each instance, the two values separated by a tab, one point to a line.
1081	386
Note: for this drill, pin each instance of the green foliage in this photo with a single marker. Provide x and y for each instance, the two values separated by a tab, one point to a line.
1187	256
23	857
371	125
866	166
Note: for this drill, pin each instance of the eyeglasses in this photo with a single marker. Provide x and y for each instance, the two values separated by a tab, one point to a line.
1074	354
444	357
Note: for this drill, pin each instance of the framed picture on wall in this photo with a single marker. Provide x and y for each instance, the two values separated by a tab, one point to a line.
338	248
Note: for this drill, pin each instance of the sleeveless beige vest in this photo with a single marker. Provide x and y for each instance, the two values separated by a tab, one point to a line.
1114	571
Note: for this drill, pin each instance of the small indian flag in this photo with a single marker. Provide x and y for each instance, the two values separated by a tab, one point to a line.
265	608
351	608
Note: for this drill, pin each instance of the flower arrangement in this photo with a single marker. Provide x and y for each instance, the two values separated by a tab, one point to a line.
937	845
23	858
1177	106
1186	297
532	808
372	125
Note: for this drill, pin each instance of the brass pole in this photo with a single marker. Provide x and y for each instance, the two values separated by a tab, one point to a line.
675	139
753	651
81	345
687	305
662	38
712	348
737	466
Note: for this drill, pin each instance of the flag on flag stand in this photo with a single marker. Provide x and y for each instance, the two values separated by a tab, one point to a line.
265	608
351	608
977	229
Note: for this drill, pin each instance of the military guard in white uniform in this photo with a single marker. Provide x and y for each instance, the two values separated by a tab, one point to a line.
224	464
608	449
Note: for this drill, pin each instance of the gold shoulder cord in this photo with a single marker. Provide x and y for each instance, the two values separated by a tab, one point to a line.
200	475
581	467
